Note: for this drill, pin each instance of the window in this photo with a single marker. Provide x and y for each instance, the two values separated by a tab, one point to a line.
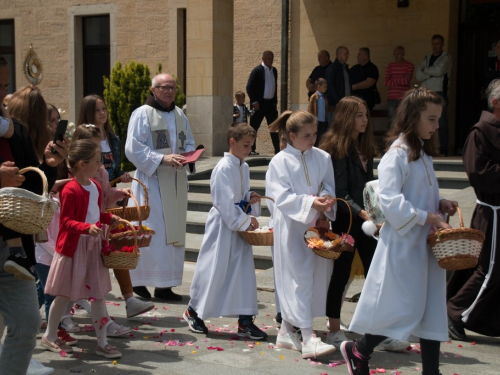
96	53
7	50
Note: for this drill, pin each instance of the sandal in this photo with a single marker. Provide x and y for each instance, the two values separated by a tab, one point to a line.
118	331
71	327
109	351
57	346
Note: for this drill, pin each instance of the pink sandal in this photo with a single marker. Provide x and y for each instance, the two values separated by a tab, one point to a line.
109	351
57	346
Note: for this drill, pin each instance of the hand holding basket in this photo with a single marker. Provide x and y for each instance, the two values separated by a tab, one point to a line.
132	213
257	238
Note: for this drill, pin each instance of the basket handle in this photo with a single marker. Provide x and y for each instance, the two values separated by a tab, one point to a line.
350	213
115	224
460	218
42	175
262	196
146	196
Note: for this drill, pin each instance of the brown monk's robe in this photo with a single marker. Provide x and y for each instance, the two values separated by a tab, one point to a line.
481	159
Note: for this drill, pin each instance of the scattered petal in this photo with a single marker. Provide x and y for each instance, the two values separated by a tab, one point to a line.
88	287
380	370
460	346
63	353
193	352
115	363
473	343
104	321
282	357
92	299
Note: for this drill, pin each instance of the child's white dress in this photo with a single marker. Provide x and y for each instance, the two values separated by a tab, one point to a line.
404	295
294	179
224	281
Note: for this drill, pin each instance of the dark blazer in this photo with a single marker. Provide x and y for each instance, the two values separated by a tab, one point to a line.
25	156
334	76
257	83
350	180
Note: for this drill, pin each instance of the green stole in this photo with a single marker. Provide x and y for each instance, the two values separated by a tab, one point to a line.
172	181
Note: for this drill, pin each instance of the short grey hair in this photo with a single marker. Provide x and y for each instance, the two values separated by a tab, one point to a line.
493	92
153	81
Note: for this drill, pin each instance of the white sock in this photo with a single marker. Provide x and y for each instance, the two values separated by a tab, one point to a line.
99	311
55	314
67	313
307	334
286	328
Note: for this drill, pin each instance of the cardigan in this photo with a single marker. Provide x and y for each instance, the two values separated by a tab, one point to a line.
74	206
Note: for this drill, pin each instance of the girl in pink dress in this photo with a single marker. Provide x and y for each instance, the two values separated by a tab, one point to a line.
77	271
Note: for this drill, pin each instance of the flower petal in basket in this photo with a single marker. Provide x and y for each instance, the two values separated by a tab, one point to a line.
327	244
120	259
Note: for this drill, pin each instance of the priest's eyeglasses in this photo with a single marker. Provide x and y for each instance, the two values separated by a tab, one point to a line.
166	88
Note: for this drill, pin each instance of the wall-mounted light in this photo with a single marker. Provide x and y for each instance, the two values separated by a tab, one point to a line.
403	3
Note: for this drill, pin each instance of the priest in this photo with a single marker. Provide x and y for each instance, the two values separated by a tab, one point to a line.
158	132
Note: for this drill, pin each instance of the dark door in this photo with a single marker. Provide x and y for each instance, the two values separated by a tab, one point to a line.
479	29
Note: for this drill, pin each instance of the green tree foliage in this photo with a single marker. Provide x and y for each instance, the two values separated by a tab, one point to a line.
124	91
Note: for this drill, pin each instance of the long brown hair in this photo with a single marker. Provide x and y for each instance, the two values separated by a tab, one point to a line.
414	102
337	140
87	112
28	106
291	122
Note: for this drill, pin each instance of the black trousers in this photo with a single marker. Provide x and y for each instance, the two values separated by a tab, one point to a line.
429	349
268	110
342	268
322	128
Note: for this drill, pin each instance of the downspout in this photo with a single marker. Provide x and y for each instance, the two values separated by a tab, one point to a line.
285	16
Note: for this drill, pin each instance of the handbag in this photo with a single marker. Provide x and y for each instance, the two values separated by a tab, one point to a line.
370	200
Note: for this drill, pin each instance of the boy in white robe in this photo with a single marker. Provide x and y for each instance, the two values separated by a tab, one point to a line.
301	181
224	282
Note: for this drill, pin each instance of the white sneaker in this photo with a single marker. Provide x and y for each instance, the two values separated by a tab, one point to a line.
343	327
336	339
83	307
37	368
393	345
135	306
289	341
315	347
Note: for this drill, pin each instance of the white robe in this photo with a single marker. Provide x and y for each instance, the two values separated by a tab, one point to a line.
224	282
302	277
404	295
160	265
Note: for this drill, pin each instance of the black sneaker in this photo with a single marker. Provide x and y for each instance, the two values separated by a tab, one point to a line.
195	324
19	266
357	364
251	331
278	319
456	331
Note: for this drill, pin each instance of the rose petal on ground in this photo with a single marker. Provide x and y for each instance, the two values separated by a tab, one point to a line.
381	370
473	343
92	299
63	353
114	363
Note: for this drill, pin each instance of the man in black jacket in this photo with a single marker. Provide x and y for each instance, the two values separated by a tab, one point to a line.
337	77
262	89
18	298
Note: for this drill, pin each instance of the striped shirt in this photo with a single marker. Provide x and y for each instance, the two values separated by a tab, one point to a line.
397	79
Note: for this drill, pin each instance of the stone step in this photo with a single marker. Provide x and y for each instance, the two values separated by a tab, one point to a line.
261	254
203	203
448	180
196	220
203	186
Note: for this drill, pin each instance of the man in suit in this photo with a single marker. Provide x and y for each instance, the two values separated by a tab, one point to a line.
262	89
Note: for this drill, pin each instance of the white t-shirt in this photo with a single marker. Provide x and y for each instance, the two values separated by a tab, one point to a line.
93	212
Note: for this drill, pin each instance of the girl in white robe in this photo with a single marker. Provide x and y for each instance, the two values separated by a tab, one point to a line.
300	179
404	292
224	282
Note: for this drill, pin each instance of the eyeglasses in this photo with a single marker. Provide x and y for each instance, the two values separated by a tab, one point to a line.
166	88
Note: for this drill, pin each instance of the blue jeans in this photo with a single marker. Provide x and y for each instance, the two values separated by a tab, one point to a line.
392	106
43	272
19	308
443	125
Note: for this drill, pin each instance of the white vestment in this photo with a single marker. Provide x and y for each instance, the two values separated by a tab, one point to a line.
404	295
294	179
224	281
160	265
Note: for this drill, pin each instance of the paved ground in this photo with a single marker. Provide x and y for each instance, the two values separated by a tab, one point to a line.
160	342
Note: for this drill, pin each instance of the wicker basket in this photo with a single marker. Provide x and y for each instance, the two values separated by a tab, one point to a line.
141	236
24	211
257	238
119	260
132	213
456	249
333	252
